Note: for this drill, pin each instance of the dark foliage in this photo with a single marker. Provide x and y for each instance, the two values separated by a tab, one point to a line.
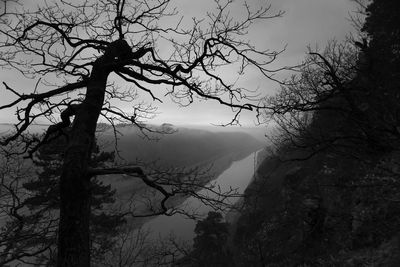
210	246
44	198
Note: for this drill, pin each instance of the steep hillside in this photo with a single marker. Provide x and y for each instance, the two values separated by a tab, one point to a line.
330	195
325	211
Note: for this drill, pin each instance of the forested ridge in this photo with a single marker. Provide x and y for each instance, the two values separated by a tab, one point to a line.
328	194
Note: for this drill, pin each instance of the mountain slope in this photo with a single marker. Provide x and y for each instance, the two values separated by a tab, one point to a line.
183	148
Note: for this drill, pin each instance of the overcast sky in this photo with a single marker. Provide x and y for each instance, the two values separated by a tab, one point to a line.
305	22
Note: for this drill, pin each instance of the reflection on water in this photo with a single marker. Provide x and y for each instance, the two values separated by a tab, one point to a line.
237	176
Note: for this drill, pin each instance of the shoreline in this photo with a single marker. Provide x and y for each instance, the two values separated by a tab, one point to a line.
226	161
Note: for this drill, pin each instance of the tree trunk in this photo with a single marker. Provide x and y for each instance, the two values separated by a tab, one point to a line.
73	235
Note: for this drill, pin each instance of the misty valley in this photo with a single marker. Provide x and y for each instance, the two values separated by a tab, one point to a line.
212	133
227	159
222	162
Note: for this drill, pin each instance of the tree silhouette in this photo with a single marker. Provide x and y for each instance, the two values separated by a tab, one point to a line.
76	51
210	243
30	227
44	199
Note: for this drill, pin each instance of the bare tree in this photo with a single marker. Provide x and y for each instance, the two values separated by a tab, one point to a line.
323	108
71	49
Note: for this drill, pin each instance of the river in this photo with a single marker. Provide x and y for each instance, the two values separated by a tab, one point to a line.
237	176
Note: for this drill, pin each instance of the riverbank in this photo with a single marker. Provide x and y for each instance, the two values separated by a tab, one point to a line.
236	176
131	192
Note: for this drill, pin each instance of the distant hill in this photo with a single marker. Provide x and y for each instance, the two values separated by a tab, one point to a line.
180	147
183	147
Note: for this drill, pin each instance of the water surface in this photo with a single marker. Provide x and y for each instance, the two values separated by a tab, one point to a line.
237	176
